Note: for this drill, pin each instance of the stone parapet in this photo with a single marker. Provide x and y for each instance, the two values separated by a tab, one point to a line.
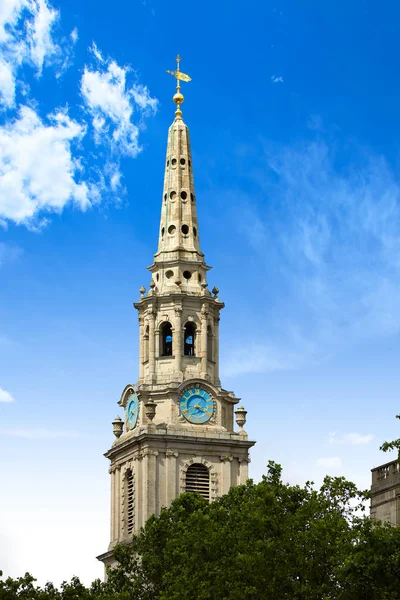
385	493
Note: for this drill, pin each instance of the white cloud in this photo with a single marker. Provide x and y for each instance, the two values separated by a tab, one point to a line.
351	438
74	35
113	104
277	79
38	172
330	462
5	396
7	84
26	36
39	434
39	36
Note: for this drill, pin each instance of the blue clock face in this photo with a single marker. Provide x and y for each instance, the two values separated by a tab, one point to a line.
132	410
196	405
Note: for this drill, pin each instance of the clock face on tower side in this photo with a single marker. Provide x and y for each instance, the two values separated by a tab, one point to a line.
132	410
196	405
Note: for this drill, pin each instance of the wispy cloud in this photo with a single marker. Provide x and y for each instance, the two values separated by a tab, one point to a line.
39	434
277	79
116	106
329	462
350	438
334	231
5	396
9	253
26	37
74	35
255	358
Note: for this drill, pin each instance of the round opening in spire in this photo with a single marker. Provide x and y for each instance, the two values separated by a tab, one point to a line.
173	162
192	197
194	231
185	229
169	274
162	232
187	275
183	195
182	161
172	195
171	230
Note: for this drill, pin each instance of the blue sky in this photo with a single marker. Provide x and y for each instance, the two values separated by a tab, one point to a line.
293	113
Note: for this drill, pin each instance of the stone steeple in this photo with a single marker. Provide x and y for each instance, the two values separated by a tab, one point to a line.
179	263
178	295
178	432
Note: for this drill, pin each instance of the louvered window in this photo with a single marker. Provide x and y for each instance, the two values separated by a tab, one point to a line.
130	521
198	480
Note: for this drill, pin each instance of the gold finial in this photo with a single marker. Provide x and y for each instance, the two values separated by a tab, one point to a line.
179	76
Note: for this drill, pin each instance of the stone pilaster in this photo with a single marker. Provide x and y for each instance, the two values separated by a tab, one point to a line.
141	348
171	459
226	466
243	470
216	350
177	339
152	358
203	341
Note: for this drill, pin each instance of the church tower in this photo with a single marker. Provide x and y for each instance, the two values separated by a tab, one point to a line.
178	430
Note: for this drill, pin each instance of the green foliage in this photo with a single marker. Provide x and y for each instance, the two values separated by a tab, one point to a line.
394	445
24	588
267	541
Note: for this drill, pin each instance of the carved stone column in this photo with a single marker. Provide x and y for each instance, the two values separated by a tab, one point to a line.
177	339
152	358
141	348
203	341
226	473
216	349
157	342
117	502
243	470
170	475
139	504
112	524
150	483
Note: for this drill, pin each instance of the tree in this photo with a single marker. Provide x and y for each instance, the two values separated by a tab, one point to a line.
394	445
268	540
24	588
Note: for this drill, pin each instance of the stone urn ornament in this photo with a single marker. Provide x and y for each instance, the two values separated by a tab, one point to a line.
150	410
117	426
241	419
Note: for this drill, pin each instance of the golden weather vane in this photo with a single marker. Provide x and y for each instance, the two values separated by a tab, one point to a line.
179	76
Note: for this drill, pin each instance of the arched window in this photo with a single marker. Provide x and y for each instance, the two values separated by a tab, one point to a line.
166	339
188	339
198	480
130	505
209	343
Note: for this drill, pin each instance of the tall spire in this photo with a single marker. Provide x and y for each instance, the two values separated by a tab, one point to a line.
179	263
